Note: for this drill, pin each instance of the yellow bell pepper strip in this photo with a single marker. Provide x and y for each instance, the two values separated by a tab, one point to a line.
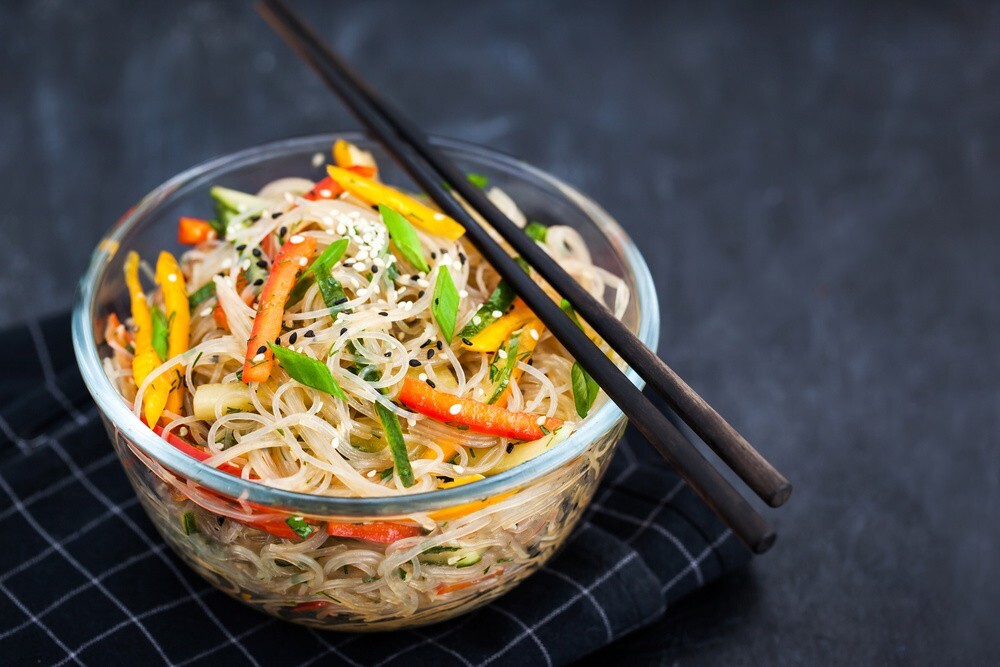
450	513
175	301
448	450
461	481
292	258
373	193
492	337
479	417
145	358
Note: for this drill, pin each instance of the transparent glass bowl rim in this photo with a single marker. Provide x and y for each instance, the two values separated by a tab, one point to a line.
115	409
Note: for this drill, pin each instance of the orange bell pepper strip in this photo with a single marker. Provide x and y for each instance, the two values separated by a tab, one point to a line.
292	258
178	311
526	344
192	231
479	417
444	589
372	192
451	513
145	359
383	532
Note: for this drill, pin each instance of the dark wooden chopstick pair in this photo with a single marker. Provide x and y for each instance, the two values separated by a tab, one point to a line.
431	170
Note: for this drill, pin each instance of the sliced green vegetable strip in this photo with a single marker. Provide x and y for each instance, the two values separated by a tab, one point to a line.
331	289
202	294
161	332
394	435
585	388
536	230
187	524
445	304
478	180
301	527
500	375
500	300
404	237
307	371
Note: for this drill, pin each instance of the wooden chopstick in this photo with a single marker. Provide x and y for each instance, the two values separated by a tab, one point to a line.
749	526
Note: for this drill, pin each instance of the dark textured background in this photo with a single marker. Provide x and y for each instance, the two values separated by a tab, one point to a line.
815	190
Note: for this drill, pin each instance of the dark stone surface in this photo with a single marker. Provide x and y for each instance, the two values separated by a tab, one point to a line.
815	190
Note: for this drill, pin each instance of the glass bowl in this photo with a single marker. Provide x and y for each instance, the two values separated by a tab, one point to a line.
511	523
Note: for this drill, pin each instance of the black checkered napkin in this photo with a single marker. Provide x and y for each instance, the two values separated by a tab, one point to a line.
85	579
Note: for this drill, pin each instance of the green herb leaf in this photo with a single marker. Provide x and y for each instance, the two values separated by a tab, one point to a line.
161	331
368	580
478	180
302	528
332	291
202	294
385	474
536	230
585	389
404	236
394	435
445	304
501	378
187	523
329	287
401	572
567	308
438	550
307	371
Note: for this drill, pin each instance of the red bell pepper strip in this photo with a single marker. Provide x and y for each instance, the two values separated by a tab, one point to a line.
192	231
292	258
382	532
479	417
327	188
193	451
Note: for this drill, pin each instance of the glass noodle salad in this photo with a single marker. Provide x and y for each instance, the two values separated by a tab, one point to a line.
341	338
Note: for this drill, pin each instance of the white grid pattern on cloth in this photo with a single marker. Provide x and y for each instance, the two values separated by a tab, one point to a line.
696	564
218	647
42	494
561	608
87	484
61	550
330	648
45	359
21	443
590	596
427	640
37	621
692	562
129	621
651	516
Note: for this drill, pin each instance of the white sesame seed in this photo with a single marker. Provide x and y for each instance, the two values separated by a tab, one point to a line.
456	265
422	377
245	265
296	239
303	261
411	422
259	357
183	430
462	294
439	216
496	314
541	420
370	474
318	159
459	469
205	312
477	320
363	255
455	409
533	333
423	283
502	353
172	277
227	263
326	194
359	267
363	292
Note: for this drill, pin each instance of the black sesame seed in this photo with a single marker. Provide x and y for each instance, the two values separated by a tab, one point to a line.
374	269
262	349
383	313
414	278
219	520
387	355
341	300
437	302
430	383
256	252
414	362
258	282
440	346
467	341
434	255
461	257
241	247
294	337
425	343
510	447
262	263
420	294
430	353
343	331
309	334
277	215
282	231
